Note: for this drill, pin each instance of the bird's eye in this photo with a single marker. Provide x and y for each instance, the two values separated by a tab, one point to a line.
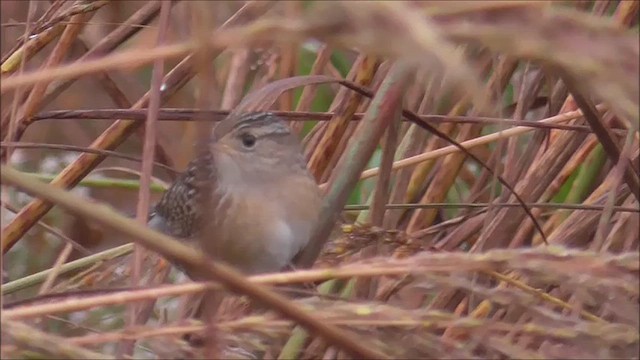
248	140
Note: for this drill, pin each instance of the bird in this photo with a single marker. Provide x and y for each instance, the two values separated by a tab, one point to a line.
246	199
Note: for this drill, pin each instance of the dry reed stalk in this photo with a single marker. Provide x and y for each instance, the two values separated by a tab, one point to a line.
463	282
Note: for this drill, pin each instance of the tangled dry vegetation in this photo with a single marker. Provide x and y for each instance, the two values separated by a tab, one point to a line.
418	119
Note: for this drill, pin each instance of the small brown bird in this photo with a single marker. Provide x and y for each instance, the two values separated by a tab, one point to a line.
248	199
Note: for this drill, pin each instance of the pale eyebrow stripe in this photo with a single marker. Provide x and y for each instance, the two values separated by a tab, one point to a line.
277	127
252	119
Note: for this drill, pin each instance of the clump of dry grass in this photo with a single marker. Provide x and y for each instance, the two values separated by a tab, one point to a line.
494	146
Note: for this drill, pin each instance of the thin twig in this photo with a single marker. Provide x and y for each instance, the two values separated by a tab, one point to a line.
64	147
186	114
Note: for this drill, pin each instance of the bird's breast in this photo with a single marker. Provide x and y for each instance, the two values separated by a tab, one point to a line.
261	231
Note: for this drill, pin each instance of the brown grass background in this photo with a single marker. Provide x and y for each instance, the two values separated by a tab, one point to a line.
435	258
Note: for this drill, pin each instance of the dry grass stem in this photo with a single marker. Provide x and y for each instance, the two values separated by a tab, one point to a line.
480	163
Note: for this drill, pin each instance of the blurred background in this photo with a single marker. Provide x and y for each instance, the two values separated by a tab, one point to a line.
480	68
